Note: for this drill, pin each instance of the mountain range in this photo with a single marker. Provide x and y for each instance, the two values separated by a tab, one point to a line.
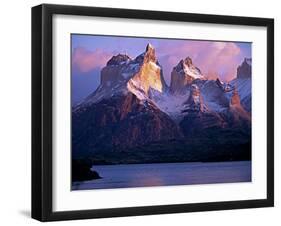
135	117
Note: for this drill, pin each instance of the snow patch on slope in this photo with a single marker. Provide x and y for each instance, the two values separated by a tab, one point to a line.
173	105
136	88
192	71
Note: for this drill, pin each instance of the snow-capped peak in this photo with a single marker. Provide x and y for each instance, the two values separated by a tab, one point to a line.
149	46
150	72
123	74
149	54
186	67
183	75
118	59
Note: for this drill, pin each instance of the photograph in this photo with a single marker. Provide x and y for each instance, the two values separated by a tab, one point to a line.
143	112
153	111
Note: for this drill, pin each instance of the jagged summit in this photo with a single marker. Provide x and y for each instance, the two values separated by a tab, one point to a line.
148	47
123	75
248	60
245	69
187	67
183	75
149	76
118	59
188	61
149	54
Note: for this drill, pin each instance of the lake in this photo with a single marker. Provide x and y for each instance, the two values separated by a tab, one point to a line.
164	174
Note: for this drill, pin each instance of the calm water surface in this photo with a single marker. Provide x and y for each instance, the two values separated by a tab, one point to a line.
163	174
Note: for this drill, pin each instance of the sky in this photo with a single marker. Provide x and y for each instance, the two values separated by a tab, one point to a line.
91	52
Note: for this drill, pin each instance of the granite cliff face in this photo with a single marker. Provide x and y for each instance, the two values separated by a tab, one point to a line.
237	116
120	123
150	75
243	83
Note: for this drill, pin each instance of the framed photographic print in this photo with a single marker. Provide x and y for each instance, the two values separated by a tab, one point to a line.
147	112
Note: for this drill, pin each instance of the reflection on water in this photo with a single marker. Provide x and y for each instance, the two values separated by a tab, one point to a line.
163	174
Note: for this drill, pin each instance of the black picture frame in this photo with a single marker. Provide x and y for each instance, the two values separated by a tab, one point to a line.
42	106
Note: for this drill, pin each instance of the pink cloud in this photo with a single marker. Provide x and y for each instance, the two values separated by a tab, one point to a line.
215	59
85	60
